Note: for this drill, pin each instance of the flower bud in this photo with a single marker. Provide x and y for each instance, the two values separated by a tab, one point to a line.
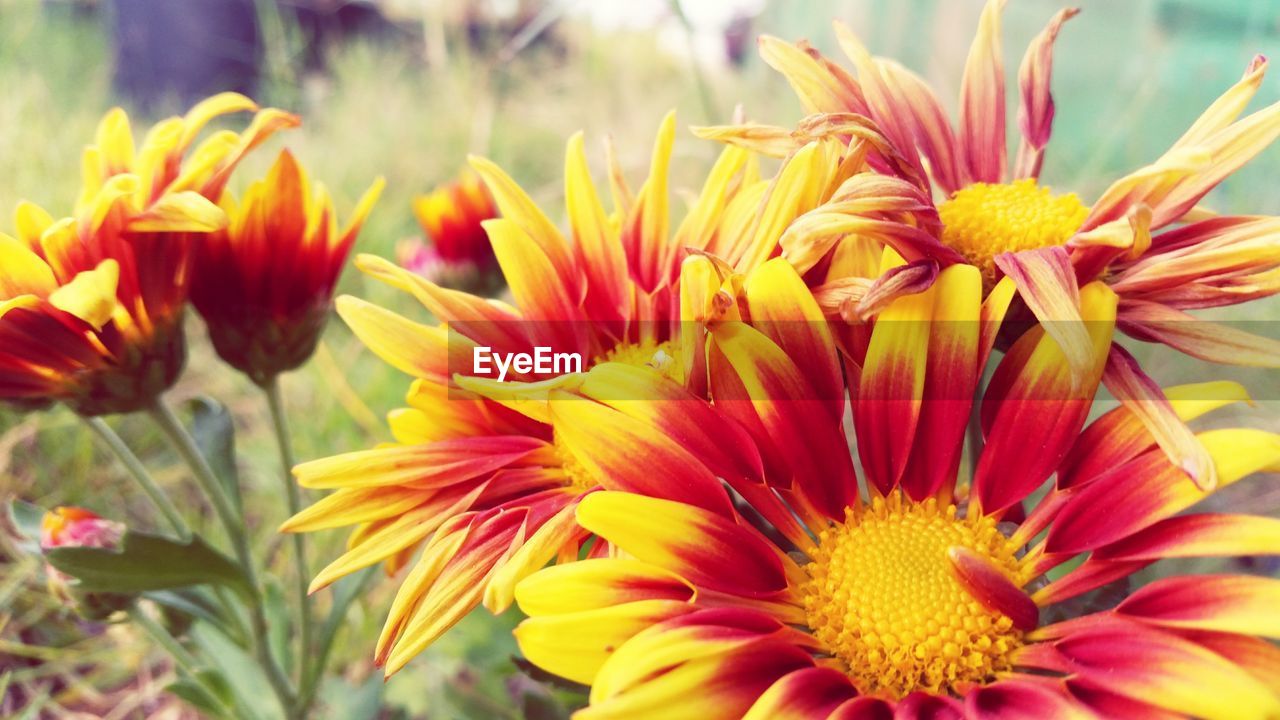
459	253
264	285
77	527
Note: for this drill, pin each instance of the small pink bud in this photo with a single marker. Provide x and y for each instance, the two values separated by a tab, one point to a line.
77	527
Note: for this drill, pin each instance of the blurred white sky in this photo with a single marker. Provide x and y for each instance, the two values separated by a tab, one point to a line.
704	15
709	18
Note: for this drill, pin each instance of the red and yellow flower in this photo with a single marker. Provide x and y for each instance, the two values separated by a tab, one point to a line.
91	305
451	216
1145	236
929	597
477	476
995	211
264	284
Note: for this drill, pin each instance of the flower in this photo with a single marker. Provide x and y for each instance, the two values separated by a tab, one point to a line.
929	598
477	475
91	306
264	284
995	212
451	215
77	527
1145	236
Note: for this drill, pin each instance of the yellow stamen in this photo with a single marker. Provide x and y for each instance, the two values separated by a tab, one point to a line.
659	356
983	220
882	599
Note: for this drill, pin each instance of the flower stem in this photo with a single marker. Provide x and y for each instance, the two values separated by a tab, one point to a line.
280	424
337	613
234	525
140	474
180	655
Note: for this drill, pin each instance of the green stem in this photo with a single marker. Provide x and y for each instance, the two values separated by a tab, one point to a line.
280	424
180	655
699	78
237	532
140	474
337	613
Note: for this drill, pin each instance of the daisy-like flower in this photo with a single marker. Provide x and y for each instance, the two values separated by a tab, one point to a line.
928	598
457	252
1145	236
91	306
478	478
264	285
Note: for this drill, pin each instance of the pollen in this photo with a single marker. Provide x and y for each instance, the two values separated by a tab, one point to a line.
659	356
882	600
984	220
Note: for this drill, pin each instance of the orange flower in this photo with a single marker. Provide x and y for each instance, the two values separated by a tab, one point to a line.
1146	236
264	285
928	597
486	493
451	216
91	306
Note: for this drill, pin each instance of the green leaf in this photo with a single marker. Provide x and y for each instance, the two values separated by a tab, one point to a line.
345	592
215	435
195	603
26	517
362	702
148	562
207	692
244	677
279	629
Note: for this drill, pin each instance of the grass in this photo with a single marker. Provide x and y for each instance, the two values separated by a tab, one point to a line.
1128	80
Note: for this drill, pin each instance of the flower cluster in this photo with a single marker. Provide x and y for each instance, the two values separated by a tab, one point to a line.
92	304
719	547
835	450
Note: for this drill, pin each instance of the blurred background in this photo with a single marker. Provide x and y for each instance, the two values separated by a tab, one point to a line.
406	89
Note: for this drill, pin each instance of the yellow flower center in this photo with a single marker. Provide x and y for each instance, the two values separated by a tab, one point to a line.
983	220
881	597
659	356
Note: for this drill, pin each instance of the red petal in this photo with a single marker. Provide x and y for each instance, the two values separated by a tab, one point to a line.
813	692
989	586
1015	700
1035	113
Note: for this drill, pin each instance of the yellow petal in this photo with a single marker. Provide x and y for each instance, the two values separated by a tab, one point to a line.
516	206
180	212
30	221
23	272
115	142
576	645
410	347
91	295
210	108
